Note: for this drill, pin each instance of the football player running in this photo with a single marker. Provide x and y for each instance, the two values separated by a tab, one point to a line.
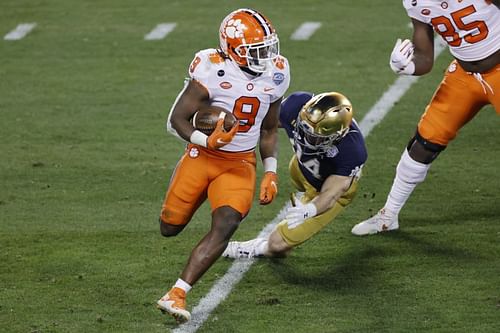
248	77
329	155
472	31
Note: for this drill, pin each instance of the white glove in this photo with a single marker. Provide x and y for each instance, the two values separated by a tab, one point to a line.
296	215
402	57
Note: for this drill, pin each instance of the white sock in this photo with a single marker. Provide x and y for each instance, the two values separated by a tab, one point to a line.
262	247
409	174
183	285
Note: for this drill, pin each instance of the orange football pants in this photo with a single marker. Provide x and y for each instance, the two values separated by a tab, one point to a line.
226	179
458	98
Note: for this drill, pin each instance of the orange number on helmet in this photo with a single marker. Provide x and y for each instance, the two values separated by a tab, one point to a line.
451	32
245	110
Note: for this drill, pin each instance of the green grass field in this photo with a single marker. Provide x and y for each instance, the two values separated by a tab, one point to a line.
85	161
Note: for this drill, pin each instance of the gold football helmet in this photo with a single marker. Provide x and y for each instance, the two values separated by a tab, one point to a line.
322	122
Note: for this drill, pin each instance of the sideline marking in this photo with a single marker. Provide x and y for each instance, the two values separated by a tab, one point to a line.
20	31
225	284
160	31
305	30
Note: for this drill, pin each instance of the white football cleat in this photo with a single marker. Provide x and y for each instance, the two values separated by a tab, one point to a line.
380	222
237	250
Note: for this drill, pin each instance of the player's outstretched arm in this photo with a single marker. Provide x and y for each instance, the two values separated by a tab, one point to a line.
333	188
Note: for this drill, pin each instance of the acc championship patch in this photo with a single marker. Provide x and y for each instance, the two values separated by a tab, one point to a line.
278	78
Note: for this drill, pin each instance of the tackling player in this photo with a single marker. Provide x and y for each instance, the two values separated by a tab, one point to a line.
329	155
248	77
472	31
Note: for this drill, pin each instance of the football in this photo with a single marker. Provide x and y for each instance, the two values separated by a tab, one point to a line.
206	118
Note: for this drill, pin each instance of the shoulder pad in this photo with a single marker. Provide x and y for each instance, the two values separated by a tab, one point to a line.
215	58
280	63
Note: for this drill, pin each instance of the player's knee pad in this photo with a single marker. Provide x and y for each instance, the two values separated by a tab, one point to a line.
422	150
411	171
169	230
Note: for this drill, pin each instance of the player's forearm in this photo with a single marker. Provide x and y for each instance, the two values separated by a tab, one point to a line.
268	144
423	41
183	127
326	200
191	99
423	63
331	191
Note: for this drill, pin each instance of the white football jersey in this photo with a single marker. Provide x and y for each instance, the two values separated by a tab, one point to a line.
247	97
470	27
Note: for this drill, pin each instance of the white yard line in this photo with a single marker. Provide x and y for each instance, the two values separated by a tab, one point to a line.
160	31
225	284
20	31
305	30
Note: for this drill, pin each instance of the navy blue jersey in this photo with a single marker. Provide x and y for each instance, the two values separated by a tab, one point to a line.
346	158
